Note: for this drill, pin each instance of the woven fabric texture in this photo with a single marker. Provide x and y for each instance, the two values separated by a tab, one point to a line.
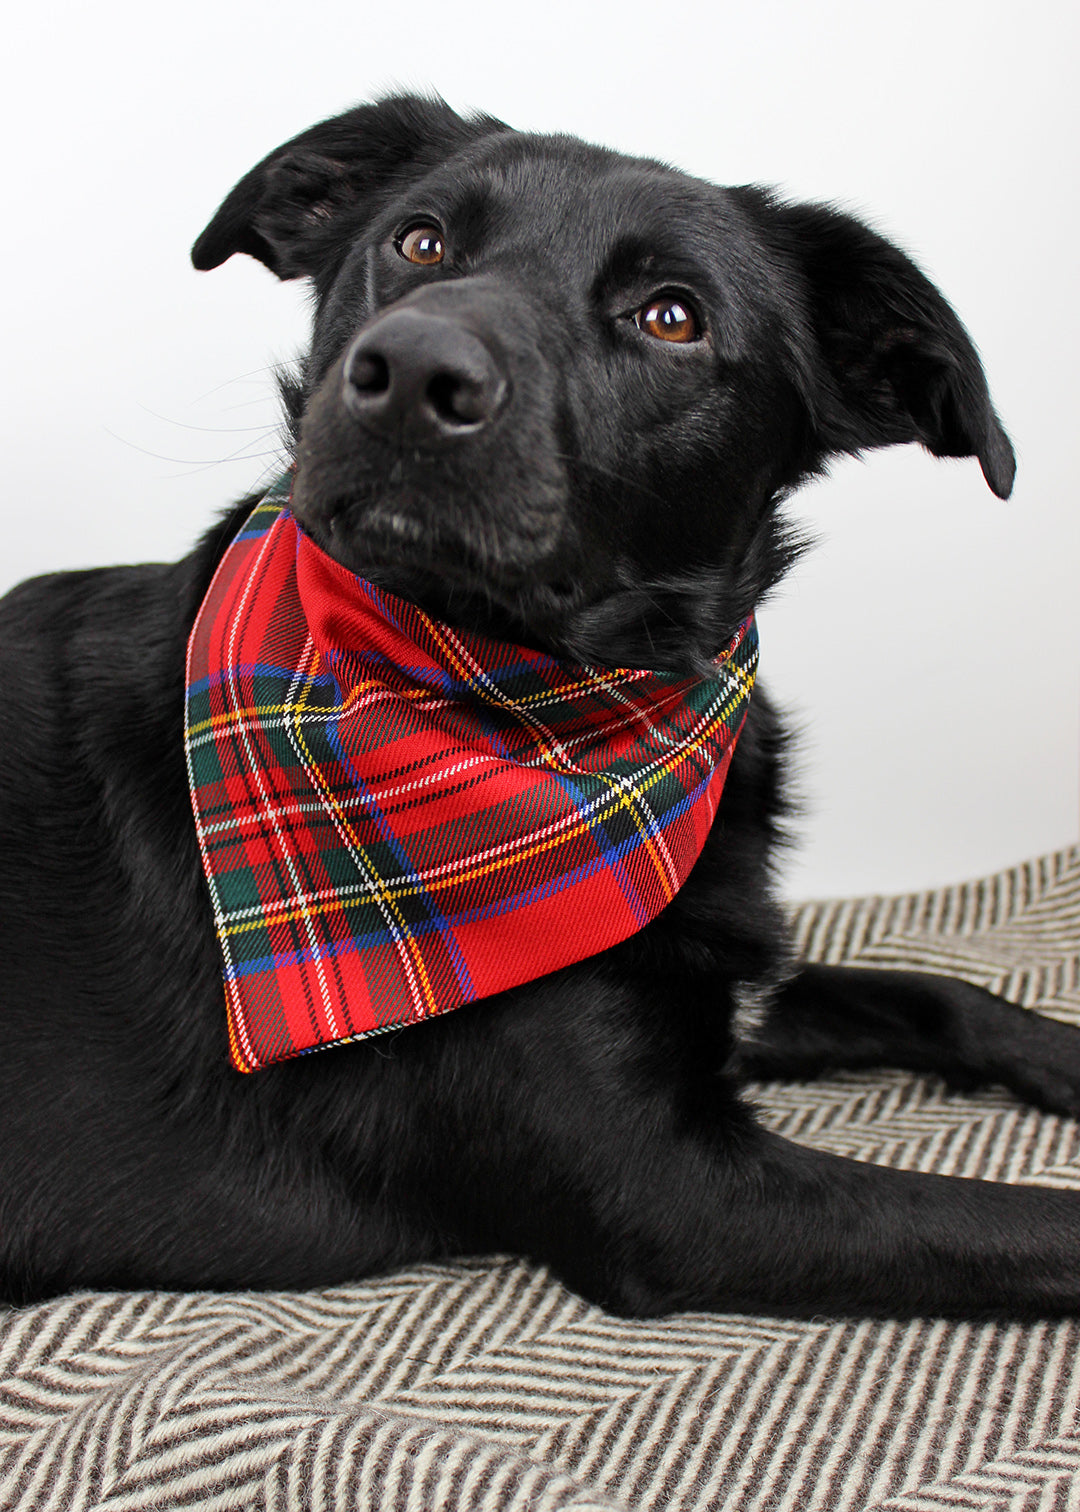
397	817
484	1386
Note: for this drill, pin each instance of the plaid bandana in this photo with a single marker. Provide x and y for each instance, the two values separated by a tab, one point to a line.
397	817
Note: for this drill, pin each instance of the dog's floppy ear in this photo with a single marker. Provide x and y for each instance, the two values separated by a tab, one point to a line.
899	365
288	211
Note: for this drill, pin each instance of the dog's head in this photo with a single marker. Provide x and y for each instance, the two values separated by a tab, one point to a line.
556	393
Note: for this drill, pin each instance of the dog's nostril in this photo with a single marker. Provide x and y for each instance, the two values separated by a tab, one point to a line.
368	373
416	377
457	400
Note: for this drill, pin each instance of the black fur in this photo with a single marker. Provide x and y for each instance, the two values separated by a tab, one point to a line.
555	474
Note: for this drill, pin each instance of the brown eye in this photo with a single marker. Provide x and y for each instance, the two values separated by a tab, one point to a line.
422	244
668	319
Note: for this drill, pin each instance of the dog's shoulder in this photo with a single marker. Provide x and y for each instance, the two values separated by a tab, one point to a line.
92	663
74	626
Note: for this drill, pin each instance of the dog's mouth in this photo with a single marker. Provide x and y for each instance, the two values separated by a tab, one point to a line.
512	583
519	579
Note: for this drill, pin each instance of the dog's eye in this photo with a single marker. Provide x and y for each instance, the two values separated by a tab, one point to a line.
421	244
668	318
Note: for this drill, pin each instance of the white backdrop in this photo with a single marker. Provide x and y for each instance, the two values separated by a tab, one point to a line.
930	647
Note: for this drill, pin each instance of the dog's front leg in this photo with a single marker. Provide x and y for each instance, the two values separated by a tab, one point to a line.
842	1017
782	1228
593	1125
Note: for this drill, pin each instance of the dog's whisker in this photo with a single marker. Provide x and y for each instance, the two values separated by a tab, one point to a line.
277	464
197	463
211	430
596	469
261	400
270	367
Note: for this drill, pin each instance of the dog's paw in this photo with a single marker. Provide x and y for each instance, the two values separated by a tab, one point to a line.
1040	1063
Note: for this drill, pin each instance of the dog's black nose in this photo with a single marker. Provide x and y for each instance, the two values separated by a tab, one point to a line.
423	377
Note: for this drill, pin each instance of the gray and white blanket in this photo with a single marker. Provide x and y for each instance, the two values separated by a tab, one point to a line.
483	1385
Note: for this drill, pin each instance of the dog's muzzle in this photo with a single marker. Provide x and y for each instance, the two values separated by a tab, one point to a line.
431	450
422	378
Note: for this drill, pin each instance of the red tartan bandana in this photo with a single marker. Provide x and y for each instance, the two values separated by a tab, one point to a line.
397	817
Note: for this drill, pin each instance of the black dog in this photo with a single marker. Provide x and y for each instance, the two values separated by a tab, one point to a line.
554	395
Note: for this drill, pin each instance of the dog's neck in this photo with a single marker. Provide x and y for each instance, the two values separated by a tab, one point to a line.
397	817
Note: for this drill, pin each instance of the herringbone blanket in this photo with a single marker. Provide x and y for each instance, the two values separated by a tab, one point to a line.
484	1385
